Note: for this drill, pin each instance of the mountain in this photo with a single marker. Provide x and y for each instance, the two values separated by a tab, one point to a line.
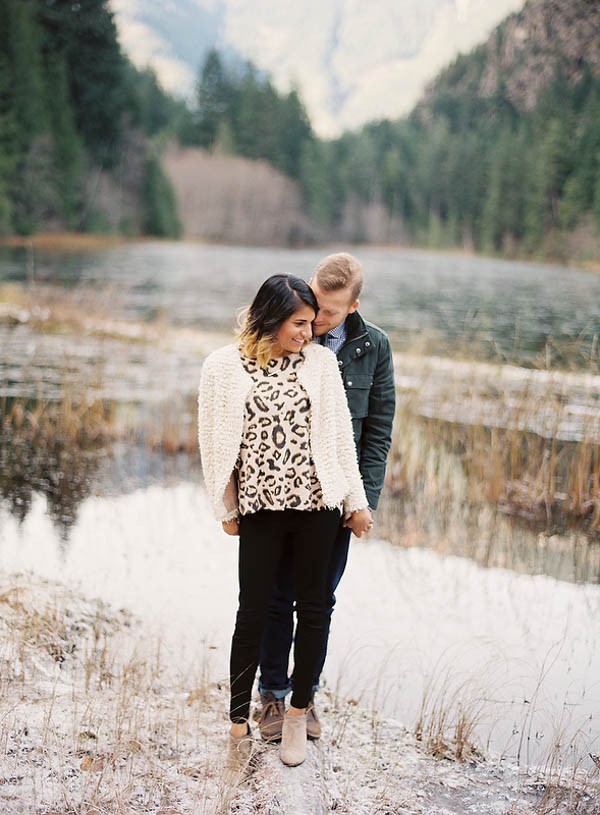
548	40
509	139
352	62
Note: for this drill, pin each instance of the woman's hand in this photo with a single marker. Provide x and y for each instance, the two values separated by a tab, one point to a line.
231	527
360	521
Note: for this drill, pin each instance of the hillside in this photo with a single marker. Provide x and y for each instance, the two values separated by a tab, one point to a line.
524	56
502	154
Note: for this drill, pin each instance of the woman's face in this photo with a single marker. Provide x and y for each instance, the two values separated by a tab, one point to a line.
296	331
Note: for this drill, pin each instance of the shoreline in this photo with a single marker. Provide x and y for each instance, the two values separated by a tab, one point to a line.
74	241
469	399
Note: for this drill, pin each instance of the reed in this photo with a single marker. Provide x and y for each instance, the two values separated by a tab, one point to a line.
53	448
542	479
452	709
172	427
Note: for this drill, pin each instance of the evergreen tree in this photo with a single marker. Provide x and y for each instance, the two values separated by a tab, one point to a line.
36	202
21	51
160	208
293	133
256	118
28	188
214	97
579	187
316	183
85	33
596	203
68	153
8	147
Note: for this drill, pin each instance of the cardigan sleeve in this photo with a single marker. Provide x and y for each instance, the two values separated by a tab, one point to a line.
346	449
225	506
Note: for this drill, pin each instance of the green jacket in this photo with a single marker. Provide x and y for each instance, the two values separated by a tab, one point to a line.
367	370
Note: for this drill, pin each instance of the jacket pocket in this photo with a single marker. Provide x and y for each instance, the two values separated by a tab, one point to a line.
358	388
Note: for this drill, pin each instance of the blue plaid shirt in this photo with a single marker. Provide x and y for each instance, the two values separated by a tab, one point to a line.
335	338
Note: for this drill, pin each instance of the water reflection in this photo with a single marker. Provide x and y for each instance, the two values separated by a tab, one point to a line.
41	452
436	496
489	538
408	622
35	465
67	453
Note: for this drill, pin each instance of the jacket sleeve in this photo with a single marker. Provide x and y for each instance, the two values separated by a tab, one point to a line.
376	435
346	449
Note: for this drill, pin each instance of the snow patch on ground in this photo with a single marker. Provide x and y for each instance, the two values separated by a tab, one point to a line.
95	720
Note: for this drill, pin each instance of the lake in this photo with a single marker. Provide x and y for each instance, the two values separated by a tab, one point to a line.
451	604
430	300
519	653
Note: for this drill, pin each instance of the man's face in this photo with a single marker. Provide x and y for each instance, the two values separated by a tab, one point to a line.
334	307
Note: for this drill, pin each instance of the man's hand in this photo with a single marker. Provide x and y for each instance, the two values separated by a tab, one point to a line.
359	522
231	527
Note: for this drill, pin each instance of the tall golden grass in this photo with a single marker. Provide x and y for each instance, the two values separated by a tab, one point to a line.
521	472
51	448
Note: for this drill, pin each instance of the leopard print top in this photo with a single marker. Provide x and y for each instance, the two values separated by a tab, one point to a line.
275	469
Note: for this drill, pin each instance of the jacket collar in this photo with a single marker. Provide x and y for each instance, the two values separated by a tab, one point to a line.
356	327
358	342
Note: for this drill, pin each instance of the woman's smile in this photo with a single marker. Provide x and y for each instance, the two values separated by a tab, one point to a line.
296	331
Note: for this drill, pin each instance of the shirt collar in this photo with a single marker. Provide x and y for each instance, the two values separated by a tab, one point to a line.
339	332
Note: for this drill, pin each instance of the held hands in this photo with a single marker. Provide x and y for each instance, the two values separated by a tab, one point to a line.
231	527
359	521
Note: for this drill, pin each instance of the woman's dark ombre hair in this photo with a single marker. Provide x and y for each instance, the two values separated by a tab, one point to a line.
279	297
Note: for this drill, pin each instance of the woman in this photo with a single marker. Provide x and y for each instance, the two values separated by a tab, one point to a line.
279	465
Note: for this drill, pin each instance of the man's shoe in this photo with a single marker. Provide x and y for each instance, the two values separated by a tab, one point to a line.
313	725
270	721
293	741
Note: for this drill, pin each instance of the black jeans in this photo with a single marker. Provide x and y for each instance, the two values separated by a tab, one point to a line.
279	630
264	536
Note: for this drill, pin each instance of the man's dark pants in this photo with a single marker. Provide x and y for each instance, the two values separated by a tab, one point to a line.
279	630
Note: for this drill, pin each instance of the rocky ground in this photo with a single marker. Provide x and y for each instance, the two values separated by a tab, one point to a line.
96	720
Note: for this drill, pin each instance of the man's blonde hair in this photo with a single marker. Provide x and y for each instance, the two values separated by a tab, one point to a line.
340	271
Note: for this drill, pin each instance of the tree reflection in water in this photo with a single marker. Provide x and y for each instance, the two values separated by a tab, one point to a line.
441	494
52	449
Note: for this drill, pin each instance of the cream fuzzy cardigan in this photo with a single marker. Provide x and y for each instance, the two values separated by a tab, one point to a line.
224	388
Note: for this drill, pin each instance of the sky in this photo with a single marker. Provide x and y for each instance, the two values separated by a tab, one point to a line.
351	61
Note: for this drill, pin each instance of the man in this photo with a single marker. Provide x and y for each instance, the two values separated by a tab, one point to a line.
365	361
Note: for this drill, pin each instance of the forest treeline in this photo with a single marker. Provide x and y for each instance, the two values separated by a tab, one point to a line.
475	172
70	102
463	169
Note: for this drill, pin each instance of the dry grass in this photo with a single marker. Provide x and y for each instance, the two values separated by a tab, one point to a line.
76	422
521	472
82	310
97	718
173	428
451	711
63	241
90	722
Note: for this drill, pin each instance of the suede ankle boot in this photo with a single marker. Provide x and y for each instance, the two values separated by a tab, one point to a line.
293	739
240	750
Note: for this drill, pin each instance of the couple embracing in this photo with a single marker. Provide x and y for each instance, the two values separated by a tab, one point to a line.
295	424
